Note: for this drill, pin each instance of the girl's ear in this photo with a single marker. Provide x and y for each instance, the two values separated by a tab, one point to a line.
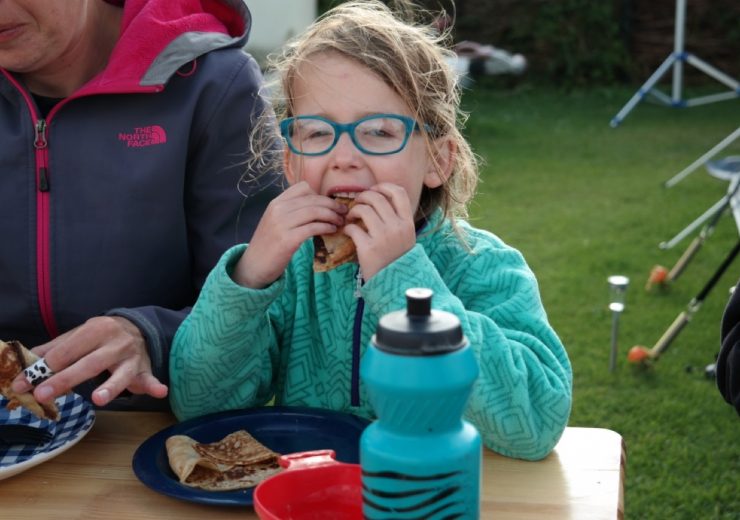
440	167
288	167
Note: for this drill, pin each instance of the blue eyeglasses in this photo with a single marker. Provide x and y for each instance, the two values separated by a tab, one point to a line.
378	134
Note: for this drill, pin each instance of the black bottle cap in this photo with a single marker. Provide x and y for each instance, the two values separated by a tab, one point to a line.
419	330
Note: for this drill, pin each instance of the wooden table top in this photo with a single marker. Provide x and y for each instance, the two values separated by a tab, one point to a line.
582	479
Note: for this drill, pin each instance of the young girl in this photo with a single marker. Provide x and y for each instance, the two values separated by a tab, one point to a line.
370	112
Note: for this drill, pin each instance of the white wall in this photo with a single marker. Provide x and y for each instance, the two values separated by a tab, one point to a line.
276	21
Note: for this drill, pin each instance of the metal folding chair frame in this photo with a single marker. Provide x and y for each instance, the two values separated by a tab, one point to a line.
724	143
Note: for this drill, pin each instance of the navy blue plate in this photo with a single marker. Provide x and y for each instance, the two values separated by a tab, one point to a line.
283	429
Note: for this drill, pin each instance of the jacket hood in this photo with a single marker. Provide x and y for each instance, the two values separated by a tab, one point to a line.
160	36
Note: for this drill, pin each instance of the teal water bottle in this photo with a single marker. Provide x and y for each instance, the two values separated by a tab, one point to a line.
420	459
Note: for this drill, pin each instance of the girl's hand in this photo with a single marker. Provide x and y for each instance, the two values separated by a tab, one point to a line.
292	217
386	212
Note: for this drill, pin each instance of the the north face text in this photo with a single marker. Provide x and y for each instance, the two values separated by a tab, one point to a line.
143	136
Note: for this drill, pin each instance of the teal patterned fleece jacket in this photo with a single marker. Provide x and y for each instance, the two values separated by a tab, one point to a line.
300	340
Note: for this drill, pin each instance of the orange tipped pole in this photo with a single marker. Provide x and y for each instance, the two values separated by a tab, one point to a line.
658	276
638	354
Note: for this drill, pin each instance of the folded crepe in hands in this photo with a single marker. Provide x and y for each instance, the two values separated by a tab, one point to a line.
334	249
236	461
14	358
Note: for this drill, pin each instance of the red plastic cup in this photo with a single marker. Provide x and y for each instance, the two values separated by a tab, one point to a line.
313	486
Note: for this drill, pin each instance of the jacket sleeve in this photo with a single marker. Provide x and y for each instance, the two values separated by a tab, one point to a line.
225	352
728	362
521	400
221	210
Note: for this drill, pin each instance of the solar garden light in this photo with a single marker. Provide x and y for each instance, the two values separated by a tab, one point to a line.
617	289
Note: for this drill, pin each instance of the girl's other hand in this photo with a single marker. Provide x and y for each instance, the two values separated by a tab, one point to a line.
386	212
291	218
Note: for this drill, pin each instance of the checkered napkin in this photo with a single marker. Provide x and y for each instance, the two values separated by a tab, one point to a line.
76	415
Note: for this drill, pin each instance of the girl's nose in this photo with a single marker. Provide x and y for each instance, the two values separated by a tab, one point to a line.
345	154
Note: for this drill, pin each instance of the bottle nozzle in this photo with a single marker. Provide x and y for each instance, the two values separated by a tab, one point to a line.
419	302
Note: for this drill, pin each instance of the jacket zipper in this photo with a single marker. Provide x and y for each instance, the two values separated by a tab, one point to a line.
43	255
43	202
356	341
357	330
43	260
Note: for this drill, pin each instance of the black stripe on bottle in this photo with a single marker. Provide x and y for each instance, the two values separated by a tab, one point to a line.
429	515
396	494
403	476
434	499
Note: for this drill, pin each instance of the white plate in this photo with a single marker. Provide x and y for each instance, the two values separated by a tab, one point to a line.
77	418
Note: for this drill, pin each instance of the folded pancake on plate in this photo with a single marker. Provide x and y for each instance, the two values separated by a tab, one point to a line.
14	357
236	461
334	249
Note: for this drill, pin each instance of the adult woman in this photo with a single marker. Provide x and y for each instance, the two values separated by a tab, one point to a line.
124	131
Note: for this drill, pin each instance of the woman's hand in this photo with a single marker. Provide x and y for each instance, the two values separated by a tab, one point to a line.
291	218
386	213
105	343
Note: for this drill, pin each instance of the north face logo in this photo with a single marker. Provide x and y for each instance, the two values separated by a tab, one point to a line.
144	136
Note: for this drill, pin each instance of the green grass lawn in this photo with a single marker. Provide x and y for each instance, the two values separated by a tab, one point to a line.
583	201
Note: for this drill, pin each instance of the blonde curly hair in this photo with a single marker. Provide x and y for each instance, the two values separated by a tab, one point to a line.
411	57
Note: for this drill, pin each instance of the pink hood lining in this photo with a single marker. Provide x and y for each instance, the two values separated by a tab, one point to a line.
149	26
